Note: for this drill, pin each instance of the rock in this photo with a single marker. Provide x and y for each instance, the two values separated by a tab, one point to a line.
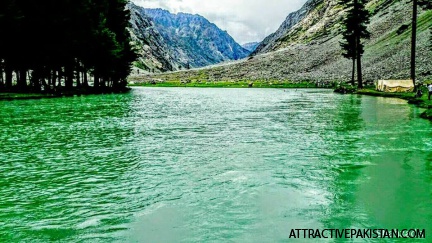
169	42
286	55
251	46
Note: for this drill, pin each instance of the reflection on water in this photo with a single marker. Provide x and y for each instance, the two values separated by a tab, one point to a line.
193	165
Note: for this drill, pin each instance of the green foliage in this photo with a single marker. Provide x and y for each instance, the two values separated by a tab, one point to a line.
354	30
354	26
230	84
427	5
52	40
345	89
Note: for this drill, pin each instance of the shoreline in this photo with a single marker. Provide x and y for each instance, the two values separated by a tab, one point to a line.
422	102
9	95
230	84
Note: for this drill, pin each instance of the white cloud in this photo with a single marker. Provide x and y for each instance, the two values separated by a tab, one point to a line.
245	20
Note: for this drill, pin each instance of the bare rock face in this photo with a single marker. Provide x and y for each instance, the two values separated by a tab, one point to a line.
169	42
312	35
269	43
153	51
306	47
251	47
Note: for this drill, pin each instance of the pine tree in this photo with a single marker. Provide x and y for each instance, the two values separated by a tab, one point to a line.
69	39
348	46
425	4
354	31
10	22
413	43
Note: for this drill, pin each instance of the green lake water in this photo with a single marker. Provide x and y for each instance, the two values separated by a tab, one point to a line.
199	165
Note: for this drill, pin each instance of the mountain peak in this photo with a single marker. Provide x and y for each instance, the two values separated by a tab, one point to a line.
187	40
251	46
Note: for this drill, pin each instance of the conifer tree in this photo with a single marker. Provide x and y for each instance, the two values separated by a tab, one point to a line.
427	5
349	47
54	43
354	31
414	43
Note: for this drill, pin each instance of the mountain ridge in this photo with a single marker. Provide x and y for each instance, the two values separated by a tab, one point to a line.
291	20
251	46
309	50
179	41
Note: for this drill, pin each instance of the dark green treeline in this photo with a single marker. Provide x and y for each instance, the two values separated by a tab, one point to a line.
63	44
354	31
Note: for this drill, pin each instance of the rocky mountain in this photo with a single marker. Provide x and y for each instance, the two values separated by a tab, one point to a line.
289	23
251	46
154	52
169	42
201	42
306	47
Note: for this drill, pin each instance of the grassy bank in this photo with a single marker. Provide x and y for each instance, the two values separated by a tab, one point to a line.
24	96
422	102
229	84
15	94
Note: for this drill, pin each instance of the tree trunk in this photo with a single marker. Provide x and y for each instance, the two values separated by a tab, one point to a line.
60	75
34	78
54	78
78	79
49	77
413	43
44	84
353	71
96	80
85	78
102	82
115	83
17	77
22	80
69	77
39	75
1	75
359	66
8	74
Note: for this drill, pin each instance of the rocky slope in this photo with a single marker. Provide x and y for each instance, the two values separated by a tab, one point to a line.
194	40
251	47
154	54
306	48
168	42
293	19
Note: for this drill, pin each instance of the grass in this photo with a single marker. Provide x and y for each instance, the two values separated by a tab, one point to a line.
22	96
373	92
229	84
15	94
422	102
393	38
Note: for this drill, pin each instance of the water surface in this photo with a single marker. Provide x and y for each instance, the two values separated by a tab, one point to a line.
196	165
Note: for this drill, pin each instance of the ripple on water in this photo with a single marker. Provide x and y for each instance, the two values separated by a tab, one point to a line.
193	165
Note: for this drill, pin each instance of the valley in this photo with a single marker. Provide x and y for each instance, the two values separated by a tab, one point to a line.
306	49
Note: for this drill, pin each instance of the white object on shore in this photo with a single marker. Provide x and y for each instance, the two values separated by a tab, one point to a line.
395	86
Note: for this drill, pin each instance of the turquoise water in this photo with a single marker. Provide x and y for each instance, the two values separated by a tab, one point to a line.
197	165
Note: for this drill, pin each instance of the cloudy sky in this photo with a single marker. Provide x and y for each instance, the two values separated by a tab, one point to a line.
245	20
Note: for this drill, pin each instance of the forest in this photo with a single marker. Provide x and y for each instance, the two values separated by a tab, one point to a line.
55	46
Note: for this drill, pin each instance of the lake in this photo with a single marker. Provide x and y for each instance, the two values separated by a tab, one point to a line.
197	165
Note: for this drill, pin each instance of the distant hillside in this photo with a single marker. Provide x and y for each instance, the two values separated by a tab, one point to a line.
199	42
251	46
169	42
289	24
154	53
306	47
